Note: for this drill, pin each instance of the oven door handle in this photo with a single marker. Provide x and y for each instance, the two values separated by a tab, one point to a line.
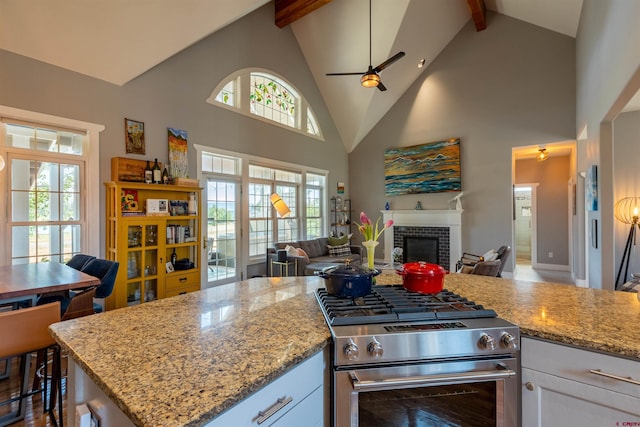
438	379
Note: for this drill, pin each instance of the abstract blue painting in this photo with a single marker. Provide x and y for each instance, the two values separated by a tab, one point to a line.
427	168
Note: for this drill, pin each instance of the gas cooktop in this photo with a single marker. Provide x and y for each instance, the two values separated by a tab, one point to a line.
389	304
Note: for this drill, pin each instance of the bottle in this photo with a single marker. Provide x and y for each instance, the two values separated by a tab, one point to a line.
148	174
174	257
157	173
192	206
165	176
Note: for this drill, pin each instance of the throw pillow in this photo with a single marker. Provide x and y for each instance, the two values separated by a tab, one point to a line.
291	251
339	250
303	254
490	255
337	241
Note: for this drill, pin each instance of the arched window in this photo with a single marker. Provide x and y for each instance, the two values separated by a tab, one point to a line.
262	94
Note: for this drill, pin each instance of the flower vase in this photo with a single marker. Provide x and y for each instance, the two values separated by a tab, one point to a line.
370	246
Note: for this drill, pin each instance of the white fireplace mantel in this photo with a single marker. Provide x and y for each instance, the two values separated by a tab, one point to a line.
451	219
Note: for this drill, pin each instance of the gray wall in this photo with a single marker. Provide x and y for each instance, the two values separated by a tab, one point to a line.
174	93
607	76
626	176
552	205
508	86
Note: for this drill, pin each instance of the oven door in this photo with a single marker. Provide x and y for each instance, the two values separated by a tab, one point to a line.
468	393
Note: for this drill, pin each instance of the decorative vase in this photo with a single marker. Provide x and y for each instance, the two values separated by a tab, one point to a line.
370	246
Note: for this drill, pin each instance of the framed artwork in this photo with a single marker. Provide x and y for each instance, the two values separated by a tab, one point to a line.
427	168
591	188
134	136
178	160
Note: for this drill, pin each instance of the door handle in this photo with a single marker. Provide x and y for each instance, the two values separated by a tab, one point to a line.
392	383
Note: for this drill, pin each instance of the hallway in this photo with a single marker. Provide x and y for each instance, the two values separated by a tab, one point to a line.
524	271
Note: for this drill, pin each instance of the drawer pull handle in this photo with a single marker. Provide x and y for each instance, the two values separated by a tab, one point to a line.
267	413
615	377
183	279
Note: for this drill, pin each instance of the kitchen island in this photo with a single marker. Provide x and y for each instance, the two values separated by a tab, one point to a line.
183	361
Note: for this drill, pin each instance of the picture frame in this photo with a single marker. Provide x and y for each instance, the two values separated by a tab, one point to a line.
178	147
591	188
433	167
134	136
169	267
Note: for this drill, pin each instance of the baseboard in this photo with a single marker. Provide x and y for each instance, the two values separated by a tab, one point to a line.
554	267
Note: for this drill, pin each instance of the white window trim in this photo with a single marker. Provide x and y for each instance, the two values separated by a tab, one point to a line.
91	239
243	105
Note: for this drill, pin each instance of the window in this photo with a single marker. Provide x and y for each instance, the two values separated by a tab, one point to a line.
53	211
314	197
303	189
263	95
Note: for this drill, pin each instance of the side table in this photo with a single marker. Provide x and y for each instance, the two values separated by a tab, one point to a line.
285	265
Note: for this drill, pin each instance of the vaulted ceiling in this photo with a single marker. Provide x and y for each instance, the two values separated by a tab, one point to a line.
125	38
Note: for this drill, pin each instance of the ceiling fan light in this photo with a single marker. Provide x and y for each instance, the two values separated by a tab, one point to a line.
370	80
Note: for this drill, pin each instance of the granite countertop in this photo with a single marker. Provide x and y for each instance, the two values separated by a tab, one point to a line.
594	319
182	361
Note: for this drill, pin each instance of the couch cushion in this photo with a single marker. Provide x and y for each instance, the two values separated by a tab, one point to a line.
323	241
340	250
311	247
336	241
283	245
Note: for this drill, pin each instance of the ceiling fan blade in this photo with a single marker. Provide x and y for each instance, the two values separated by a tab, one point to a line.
346	74
388	62
381	87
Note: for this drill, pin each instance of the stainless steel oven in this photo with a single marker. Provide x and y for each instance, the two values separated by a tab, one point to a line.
402	359
469	393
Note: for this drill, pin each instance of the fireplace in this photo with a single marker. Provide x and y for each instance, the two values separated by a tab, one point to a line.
443	225
418	248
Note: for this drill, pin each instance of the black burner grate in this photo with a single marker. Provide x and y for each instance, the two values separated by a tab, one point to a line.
389	304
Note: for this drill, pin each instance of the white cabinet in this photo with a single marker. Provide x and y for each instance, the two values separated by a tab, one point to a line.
559	389
297	398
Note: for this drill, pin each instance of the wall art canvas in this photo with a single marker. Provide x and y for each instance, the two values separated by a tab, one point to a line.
134	136
591	188
427	168
178	160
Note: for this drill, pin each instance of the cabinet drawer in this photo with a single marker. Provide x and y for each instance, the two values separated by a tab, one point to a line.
182	280
299	384
575	364
179	291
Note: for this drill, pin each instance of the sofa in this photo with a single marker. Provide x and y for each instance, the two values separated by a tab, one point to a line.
310	257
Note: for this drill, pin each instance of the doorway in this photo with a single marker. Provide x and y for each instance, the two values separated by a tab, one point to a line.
222	222
525	224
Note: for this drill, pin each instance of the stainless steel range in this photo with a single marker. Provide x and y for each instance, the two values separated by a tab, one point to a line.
415	360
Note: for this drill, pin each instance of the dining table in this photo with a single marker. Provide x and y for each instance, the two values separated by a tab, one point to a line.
24	282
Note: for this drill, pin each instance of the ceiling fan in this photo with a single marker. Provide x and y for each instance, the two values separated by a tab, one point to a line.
370	78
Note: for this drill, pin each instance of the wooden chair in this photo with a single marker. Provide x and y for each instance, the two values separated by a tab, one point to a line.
23	332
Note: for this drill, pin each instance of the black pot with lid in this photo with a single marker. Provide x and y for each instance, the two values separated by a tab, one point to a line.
349	281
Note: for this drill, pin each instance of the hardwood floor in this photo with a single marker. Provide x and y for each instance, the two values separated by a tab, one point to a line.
34	416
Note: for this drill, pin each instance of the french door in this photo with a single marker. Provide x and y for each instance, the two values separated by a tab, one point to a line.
222	215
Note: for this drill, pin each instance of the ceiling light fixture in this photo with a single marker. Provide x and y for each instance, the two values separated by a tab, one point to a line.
370	80
421	62
542	155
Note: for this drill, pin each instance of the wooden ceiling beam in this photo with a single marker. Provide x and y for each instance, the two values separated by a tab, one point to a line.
288	11
478	13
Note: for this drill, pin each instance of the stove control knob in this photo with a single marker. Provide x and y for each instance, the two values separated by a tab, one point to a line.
375	349
487	342
351	351
508	340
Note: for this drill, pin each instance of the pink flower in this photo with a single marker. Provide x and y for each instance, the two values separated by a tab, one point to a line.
388	224
364	219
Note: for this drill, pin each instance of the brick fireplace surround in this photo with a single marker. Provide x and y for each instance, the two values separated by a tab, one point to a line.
444	224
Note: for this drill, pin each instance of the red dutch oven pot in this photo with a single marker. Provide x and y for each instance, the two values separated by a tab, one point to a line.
422	277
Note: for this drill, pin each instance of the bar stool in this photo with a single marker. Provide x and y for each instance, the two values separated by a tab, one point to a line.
25	331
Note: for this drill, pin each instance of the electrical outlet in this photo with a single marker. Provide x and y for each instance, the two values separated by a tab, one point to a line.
550	254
